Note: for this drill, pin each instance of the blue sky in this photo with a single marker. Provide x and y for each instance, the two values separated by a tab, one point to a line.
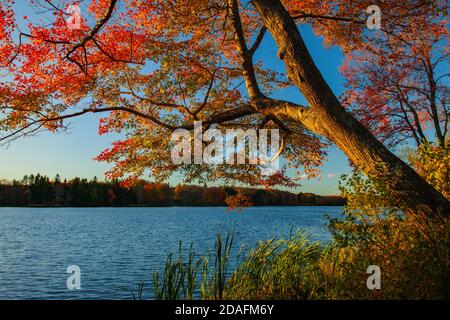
71	154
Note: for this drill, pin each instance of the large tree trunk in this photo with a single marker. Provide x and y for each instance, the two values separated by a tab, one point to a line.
414	195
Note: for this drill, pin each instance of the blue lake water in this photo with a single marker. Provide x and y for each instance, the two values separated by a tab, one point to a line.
117	248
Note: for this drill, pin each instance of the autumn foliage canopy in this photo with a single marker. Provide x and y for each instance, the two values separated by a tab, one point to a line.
151	66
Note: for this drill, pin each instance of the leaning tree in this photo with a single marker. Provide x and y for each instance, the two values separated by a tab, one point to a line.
154	66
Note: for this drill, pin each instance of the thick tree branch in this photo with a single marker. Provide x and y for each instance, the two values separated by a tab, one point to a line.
246	57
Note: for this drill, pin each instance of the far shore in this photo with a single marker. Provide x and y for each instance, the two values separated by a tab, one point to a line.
221	206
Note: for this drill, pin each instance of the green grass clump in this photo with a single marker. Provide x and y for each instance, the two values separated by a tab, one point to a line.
277	269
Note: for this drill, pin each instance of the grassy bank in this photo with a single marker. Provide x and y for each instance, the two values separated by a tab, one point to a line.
414	263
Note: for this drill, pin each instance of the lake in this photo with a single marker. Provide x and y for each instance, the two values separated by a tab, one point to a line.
117	248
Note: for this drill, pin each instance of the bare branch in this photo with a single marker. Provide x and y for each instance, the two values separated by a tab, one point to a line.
258	41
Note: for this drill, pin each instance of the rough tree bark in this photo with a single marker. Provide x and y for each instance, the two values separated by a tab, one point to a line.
413	194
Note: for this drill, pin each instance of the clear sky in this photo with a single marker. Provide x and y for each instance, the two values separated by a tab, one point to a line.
71	154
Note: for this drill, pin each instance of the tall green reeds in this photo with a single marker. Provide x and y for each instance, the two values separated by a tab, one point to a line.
180	279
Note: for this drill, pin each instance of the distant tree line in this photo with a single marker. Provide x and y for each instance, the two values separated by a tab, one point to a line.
40	190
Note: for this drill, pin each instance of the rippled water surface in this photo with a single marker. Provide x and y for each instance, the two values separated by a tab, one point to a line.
117	248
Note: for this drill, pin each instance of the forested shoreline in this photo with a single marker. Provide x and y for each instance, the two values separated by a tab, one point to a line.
41	191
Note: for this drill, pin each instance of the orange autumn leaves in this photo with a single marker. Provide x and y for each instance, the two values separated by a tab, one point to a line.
6	28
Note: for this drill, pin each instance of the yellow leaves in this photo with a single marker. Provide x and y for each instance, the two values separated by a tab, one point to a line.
433	163
394	242
51	126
